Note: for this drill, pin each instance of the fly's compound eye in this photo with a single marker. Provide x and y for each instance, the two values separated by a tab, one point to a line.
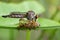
36	16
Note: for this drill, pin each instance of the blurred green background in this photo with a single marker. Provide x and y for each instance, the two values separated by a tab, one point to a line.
50	21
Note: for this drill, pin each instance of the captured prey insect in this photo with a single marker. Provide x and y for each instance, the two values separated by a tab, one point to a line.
30	16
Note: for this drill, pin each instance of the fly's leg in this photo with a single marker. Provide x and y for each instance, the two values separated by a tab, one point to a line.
21	19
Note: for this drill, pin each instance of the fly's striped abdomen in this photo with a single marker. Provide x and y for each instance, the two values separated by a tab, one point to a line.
17	15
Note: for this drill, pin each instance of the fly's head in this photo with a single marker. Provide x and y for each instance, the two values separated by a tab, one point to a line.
30	15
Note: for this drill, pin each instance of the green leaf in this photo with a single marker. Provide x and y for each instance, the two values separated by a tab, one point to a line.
6	8
8	22
11	22
47	23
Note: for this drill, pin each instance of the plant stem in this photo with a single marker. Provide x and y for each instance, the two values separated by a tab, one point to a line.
52	34
11	34
28	33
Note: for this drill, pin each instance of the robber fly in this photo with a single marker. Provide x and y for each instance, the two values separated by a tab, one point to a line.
30	15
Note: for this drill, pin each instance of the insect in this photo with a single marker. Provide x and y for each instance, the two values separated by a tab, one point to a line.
30	16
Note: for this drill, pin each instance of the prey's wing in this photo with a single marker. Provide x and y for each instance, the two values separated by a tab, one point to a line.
16	15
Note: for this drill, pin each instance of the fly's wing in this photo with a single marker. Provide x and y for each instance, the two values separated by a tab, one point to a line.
16	15
42	15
